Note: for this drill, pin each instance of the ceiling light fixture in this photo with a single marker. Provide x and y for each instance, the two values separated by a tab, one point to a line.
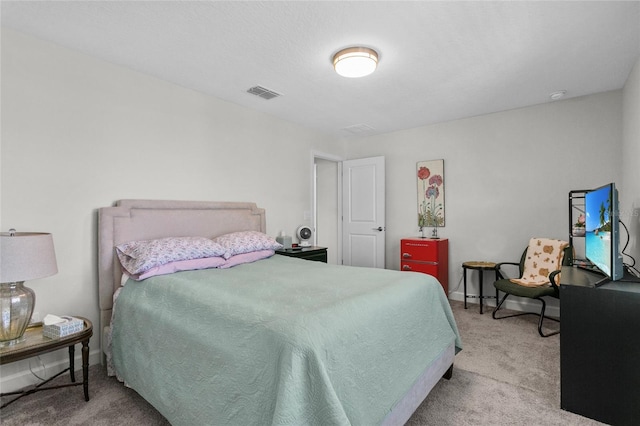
355	62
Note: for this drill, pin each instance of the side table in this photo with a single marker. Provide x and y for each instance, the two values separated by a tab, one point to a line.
36	343
480	267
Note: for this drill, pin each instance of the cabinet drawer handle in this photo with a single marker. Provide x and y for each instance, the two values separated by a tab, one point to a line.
417	244
406	255
406	267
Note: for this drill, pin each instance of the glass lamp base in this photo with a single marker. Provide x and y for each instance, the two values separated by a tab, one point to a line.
12	342
16	307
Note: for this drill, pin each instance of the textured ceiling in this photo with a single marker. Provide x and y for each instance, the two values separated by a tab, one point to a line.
439	61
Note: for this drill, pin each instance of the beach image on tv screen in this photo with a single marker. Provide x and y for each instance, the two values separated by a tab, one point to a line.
598	228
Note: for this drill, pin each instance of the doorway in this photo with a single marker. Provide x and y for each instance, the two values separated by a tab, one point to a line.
328	190
326	205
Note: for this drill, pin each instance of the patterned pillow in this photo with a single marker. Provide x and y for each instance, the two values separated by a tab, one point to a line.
246	242
543	257
137	257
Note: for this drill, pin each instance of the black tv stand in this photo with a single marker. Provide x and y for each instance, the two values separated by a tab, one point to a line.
596	273
627	277
601	281
600	346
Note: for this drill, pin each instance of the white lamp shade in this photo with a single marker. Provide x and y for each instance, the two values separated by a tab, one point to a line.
355	62
26	256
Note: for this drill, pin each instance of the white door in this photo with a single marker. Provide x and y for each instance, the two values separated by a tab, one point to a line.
363	216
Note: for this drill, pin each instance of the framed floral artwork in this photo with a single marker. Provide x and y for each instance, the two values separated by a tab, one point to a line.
430	177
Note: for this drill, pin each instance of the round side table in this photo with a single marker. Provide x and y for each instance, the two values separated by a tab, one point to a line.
480	267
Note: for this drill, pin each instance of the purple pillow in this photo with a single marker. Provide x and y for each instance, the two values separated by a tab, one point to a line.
181	265
239	259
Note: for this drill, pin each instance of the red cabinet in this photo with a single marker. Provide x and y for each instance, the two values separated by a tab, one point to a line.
426	256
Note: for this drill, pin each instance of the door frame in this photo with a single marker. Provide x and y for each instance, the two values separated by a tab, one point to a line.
314	208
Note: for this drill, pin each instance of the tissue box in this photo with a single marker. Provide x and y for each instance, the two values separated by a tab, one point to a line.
69	326
285	240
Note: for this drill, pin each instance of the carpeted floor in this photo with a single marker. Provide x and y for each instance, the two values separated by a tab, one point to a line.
506	375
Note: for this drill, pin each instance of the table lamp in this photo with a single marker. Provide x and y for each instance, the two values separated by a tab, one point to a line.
23	256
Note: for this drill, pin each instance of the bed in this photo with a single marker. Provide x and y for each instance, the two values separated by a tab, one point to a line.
275	341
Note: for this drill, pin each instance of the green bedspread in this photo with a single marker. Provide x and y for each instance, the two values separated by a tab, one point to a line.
280	341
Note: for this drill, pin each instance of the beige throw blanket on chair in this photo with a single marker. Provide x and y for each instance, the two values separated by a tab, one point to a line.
544	256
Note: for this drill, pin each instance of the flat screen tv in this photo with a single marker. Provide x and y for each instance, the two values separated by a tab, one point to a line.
602	226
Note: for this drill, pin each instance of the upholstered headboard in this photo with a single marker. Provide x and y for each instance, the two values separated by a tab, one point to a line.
131	220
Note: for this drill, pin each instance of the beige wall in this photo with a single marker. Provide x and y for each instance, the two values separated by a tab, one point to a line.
78	134
507	175
630	187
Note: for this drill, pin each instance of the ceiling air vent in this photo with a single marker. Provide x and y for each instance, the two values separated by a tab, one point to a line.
263	92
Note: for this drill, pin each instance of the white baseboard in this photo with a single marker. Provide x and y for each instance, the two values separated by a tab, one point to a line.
23	377
515	303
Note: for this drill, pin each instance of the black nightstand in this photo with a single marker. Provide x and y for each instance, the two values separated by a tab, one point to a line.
318	254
